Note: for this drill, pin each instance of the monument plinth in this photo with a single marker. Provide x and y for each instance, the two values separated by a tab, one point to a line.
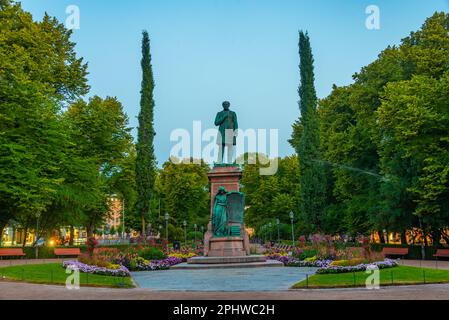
234	242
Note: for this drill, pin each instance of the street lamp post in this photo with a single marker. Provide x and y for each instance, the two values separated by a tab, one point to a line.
166	216
292	216
185	232
270	225
194	227
123	217
37	236
278	222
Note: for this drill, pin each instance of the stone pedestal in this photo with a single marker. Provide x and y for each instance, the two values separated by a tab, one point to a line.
226	247
227	176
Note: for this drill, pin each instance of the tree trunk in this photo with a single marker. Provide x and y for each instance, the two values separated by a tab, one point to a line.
24	241
426	243
404	237
90	230
13	235
436	236
72	234
381	236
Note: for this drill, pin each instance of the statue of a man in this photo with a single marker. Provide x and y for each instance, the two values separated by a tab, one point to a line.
227	122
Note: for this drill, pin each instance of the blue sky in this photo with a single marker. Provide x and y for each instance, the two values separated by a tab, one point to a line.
207	51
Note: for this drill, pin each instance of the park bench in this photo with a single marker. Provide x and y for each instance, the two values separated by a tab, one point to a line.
63	252
395	252
16	252
443	253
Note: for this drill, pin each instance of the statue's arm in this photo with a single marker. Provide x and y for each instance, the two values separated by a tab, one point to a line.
236	126
221	116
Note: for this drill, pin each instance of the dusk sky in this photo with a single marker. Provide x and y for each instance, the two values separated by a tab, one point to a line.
246	52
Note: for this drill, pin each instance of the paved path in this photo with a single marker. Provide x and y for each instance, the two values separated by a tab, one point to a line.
235	279
426	264
19	291
24	291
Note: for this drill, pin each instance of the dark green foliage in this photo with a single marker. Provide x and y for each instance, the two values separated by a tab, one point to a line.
145	159
385	138
151	253
306	141
270	197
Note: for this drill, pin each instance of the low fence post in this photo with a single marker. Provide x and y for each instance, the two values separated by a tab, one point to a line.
392	277
424	275
307	281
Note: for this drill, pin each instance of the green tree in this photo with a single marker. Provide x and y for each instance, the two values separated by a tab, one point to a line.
270	197
39	72
306	141
100	129
145	160
184	189
382	159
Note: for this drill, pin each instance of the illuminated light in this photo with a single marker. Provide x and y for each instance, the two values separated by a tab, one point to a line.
52	243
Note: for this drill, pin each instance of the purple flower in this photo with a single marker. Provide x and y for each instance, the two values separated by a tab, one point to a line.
387	263
85	268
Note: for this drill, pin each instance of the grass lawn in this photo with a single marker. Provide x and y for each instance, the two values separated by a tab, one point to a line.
54	273
400	275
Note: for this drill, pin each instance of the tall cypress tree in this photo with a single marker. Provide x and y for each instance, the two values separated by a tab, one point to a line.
145	159
306	141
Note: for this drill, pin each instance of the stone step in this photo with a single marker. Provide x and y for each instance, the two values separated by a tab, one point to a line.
268	263
227	259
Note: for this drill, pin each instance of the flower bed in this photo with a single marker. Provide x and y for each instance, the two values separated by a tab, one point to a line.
322	264
114	270
182	255
329	266
140	264
290	261
387	263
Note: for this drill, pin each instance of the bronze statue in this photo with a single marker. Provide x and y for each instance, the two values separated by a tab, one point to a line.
219	214
226	137
227	213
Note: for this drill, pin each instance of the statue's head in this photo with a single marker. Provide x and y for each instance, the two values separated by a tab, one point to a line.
221	190
226	105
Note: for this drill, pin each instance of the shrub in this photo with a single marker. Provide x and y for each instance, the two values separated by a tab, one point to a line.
151	253
310	259
307	253
351	262
94	260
